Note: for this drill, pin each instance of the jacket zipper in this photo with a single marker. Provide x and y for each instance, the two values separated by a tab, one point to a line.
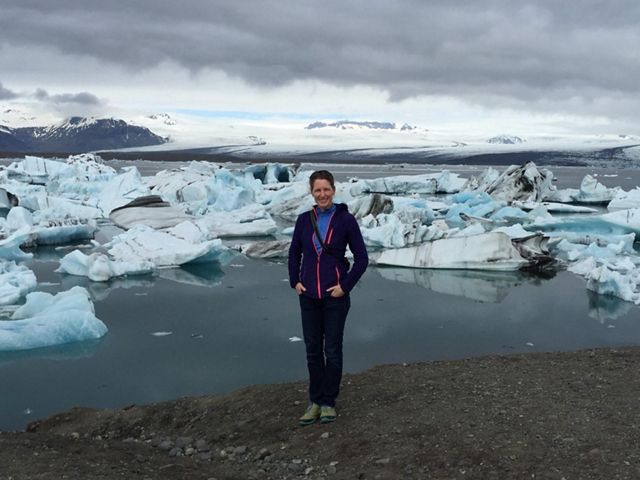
319	252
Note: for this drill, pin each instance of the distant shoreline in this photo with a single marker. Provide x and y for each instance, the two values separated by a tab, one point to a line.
553	158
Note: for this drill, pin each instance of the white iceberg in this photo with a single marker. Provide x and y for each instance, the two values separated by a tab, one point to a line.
98	267
142	243
15	282
592	191
46	320
10	246
121	190
625	200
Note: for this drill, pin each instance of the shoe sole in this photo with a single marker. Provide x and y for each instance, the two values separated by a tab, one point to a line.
327	419
304	423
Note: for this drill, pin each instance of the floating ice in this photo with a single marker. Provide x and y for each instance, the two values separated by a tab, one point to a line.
488	251
121	190
15	282
46	320
270	249
624	200
592	191
149	210
10	246
98	267
142	243
525	183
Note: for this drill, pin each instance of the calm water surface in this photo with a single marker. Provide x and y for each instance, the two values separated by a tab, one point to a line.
230	327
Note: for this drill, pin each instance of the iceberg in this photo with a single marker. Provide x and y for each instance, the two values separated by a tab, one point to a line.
525	183
10	246
487	251
592	191
15	282
37	170
7	199
142	243
618	223
46	320
250	221
625	200
122	189
98	267
149	210
269	249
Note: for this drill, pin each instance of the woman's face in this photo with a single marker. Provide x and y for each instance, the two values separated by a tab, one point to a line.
323	193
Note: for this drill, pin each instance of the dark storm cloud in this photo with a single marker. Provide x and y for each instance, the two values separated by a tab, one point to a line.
521	50
82	98
6	94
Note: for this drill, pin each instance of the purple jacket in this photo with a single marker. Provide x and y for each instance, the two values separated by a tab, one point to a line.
319	270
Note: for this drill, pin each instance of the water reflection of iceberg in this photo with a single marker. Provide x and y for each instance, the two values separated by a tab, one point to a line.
482	286
68	351
99	291
606	307
198	274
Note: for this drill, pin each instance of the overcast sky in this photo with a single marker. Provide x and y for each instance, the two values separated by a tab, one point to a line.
534	66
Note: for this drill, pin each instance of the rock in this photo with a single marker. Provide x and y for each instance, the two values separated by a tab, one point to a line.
204	456
189	451
202	446
240	450
383	461
331	469
264	452
308	470
295	467
155	441
183	442
75	435
165	445
325	435
175	451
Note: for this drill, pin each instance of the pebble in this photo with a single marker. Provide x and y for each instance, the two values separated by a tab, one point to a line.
165	445
295	467
383	461
331	469
75	435
182	442
240	450
204	456
325	435
175	451
202	446
189	451
263	453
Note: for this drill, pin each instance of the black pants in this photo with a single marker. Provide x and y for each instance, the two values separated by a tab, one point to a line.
323	328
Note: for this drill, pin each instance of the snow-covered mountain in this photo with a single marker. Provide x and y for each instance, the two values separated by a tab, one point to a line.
77	134
351	124
505	140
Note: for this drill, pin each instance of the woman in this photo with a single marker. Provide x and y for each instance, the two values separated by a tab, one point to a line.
319	272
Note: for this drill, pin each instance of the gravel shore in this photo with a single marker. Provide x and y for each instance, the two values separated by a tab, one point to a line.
549	415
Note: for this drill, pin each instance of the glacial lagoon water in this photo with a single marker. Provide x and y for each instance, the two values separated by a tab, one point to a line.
220	329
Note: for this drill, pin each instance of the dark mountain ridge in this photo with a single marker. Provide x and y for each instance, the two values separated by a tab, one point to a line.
77	134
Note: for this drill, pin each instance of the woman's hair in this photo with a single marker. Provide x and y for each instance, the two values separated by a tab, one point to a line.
321	175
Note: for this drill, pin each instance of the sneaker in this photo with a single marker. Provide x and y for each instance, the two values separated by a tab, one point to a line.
311	415
327	414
